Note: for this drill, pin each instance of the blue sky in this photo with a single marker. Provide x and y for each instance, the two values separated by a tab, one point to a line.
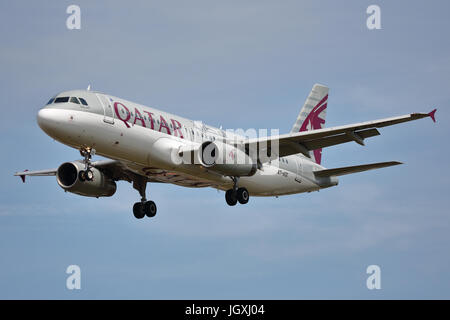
240	65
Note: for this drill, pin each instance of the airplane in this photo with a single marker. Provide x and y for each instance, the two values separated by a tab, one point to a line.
145	145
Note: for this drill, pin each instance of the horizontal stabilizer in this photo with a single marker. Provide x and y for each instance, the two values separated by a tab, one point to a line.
354	169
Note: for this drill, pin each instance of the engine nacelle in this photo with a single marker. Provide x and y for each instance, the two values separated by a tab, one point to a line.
68	174
226	159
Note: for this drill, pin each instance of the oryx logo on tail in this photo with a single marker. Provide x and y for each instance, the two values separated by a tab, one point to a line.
312	115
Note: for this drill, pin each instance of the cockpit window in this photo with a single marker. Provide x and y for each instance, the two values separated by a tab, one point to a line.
61	99
74	100
83	101
50	101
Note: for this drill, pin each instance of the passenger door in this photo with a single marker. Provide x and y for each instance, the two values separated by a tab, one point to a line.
107	108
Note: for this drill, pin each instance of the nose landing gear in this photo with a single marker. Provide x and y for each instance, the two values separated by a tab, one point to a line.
87	174
232	196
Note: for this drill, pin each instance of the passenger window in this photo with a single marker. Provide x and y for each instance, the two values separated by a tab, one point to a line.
83	102
62	99
74	100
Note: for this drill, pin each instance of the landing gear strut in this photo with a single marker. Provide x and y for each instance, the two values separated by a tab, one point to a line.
144	207
232	196
86	174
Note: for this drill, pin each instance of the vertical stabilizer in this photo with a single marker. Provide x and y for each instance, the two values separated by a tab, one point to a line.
312	115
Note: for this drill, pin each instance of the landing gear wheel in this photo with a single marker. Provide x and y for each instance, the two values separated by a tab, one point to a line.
86	175
89	175
230	197
82	176
242	195
150	209
144	207
138	210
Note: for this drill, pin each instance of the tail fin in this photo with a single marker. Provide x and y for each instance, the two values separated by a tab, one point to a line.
312	115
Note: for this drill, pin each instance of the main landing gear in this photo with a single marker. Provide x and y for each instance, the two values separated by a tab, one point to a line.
232	196
86	174
144	207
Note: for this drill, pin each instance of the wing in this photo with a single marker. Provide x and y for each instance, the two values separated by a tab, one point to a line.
127	171
23	174
113	168
306	141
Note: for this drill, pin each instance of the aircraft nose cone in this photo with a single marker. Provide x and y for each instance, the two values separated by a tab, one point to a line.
59	124
51	121
46	119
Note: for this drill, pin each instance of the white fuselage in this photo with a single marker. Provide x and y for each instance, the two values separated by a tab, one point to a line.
144	139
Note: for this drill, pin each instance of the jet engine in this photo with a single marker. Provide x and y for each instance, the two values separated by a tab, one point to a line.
225	159
68	178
